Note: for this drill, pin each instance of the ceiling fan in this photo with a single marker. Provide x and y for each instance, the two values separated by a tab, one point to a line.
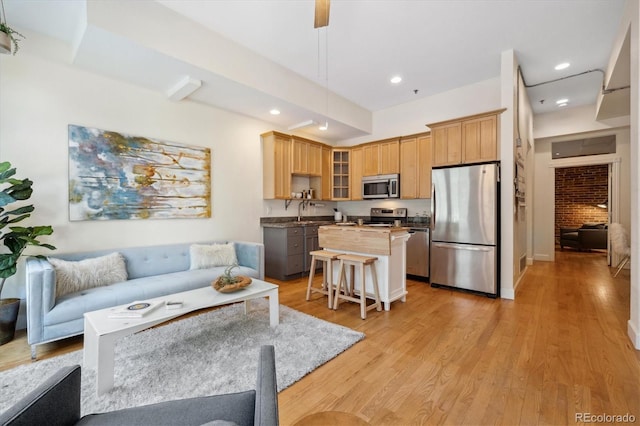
322	14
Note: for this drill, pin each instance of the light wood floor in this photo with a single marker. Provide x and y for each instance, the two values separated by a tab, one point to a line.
447	357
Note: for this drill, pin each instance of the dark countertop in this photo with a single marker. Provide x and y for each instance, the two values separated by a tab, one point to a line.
294	223
291	221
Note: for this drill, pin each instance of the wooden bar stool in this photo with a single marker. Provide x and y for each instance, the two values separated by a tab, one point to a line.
327	257
351	261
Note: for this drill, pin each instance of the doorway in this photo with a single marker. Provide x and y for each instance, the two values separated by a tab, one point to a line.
582	207
612	162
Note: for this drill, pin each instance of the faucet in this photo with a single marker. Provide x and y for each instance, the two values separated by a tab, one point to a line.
302	203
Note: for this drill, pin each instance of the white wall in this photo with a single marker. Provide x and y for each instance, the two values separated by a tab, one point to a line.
40	98
412	117
632	10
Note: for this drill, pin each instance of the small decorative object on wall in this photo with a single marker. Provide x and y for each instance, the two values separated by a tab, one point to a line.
118	176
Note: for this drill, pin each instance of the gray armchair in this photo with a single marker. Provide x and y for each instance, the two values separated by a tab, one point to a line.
57	402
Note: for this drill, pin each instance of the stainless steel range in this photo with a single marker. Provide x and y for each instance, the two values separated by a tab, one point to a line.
418	244
386	217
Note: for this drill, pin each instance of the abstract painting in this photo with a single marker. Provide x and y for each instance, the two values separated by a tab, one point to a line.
118	176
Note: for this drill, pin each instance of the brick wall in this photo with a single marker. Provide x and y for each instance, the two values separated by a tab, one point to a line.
578	190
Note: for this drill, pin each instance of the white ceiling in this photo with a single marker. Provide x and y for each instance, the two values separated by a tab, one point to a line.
434	45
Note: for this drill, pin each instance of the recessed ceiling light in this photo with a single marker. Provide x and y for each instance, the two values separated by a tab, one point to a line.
562	66
274	112
564	104
562	101
324	126
396	79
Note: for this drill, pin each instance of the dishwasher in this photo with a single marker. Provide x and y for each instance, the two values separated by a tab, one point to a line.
418	253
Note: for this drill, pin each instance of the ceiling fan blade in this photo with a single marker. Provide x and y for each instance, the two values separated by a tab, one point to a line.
322	13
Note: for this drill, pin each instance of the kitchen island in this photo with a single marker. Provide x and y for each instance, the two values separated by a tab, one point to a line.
388	244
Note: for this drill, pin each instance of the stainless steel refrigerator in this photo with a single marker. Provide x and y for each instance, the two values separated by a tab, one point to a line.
465	228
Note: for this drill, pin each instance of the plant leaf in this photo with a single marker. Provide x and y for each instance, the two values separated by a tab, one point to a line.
6	199
22	210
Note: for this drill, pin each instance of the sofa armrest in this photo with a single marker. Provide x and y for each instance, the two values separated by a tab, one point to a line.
251	255
41	296
593	238
55	402
567	230
267	388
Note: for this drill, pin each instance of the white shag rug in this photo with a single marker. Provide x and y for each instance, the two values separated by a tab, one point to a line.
212	353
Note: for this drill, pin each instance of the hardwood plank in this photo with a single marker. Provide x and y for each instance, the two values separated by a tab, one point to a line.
447	357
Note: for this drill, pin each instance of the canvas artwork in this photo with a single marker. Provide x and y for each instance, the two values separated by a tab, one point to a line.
118	176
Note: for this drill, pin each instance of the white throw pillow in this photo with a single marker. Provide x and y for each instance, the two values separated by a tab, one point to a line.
208	256
72	276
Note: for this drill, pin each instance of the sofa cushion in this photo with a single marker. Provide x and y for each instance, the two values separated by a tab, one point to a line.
594	226
211	255
74	276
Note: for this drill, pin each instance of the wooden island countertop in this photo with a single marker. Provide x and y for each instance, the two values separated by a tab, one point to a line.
364	239
387	244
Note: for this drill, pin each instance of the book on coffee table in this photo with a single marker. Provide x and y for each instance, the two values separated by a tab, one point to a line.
136	309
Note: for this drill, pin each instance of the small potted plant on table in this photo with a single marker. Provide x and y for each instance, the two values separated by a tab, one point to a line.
228	283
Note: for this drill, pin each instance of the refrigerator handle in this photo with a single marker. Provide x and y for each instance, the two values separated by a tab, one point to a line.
432	223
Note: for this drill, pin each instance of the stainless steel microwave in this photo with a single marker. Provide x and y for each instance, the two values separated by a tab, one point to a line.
381	186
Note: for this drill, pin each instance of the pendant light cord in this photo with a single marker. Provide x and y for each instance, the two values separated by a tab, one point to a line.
4	14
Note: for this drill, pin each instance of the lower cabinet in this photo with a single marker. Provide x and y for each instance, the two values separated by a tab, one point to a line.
286	251
310	244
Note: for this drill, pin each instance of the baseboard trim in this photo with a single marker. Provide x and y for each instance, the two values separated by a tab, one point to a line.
542	257
634	335
507	293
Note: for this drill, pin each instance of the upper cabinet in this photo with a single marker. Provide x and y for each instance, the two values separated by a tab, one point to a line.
307	157
356	173
466	140
327	166
381	158
341	174
415	166
276	169
480	139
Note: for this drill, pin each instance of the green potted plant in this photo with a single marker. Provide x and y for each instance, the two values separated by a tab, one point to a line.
15	240
8	36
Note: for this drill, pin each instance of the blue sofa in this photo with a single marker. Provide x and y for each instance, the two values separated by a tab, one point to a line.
152	272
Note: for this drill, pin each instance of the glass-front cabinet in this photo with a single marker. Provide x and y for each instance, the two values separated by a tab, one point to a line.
340	174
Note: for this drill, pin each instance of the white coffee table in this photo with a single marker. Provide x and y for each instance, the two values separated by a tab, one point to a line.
101	332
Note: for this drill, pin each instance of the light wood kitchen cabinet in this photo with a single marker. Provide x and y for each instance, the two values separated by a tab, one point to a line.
480	140
424	167
381	158
447	144
370	159
415	166
389	157
327	166
276	170
356	173
466	140
340	174
307	157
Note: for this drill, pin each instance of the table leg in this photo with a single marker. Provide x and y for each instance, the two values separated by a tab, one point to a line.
274	308
90	353
105	363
